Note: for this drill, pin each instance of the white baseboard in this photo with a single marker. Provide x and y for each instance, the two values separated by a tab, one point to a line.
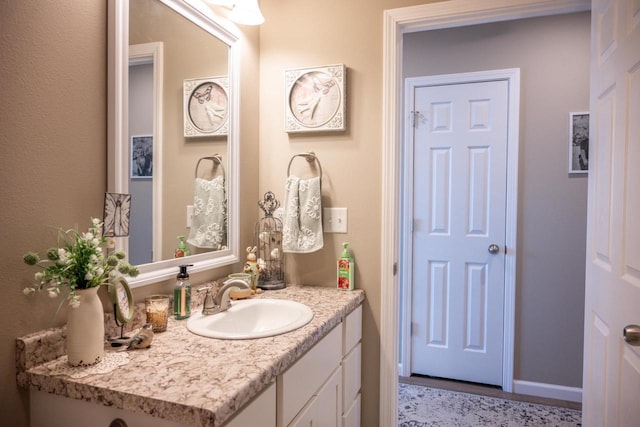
552	391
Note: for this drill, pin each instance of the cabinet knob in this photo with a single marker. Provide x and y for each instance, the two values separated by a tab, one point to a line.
118	422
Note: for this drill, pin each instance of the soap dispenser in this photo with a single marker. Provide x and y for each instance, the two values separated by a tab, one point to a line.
182	250
346	269
182	294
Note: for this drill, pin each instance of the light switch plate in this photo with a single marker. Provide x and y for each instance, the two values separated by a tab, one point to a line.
334	220
189	215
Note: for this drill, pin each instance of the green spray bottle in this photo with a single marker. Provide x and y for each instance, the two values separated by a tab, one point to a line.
346	270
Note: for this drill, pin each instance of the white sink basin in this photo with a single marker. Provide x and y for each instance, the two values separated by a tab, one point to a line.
253	318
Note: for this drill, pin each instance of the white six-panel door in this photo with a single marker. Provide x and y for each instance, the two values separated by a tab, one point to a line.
611	380
459	203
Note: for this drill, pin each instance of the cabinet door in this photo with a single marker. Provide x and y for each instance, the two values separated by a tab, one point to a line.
308	417
300	382
329	400
351	417
259	412
324	409
351	367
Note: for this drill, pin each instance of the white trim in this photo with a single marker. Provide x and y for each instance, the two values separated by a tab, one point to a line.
152	53
551	391
432	16
118	81
512	76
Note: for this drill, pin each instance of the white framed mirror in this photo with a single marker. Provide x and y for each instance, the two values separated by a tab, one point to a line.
172	42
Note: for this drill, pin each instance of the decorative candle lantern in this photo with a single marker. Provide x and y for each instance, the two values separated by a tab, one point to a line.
268	240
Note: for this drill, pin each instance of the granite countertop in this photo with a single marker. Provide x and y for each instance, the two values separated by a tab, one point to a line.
184	377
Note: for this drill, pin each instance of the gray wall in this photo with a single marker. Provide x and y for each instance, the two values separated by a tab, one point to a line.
141	189
553	56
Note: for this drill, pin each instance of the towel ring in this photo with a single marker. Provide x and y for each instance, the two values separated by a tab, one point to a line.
309	157
216	159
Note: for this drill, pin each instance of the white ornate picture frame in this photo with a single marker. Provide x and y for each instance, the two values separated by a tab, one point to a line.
315	99
206	106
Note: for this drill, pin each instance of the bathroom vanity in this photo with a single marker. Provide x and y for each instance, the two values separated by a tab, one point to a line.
308	376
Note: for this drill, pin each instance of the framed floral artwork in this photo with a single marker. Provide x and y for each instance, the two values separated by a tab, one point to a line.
206	106
315	99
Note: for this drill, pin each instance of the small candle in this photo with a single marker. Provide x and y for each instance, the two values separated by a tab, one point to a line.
157	308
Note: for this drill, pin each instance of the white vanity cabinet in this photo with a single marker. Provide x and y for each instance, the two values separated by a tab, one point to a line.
323	387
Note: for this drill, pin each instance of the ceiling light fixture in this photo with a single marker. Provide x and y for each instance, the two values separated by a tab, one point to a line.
245	12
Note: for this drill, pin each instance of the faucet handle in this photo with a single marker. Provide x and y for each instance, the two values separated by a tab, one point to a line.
209	306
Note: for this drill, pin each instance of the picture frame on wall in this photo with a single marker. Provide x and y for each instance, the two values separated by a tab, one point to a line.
141	156
579	143
117	211
206	106
315	99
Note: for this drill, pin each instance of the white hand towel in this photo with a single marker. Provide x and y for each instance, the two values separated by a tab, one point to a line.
209	224
302	221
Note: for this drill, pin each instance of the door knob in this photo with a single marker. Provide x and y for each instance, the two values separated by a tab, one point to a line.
632	335
494	249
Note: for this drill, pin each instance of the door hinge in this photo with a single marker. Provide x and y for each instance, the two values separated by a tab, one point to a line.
414	118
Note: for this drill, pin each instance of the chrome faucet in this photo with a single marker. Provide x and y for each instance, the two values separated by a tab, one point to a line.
221	301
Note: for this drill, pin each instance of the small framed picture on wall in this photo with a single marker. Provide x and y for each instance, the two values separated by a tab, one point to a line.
142	156
579	143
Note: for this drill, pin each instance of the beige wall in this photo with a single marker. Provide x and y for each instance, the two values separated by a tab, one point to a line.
305	33
553	56
53	150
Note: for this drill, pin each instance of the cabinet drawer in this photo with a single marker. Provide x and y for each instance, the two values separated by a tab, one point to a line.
351	367
351	417
296	386
50	410
352	329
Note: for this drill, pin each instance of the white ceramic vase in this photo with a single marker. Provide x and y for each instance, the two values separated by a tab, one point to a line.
85	329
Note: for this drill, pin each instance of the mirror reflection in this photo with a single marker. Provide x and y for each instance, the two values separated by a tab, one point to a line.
178	128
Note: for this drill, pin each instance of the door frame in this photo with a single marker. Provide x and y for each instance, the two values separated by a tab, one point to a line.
396	22
512	76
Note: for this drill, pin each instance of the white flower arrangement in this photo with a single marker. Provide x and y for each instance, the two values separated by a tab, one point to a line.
77	263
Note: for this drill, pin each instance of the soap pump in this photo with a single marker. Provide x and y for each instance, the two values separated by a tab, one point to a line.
182	250
346	269
182	294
